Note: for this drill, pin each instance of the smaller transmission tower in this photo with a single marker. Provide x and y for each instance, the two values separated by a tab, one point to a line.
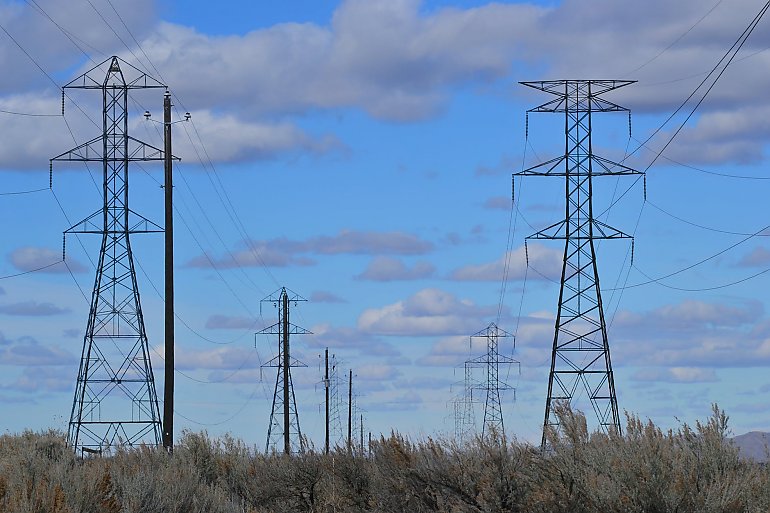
284	419
490	361
462	405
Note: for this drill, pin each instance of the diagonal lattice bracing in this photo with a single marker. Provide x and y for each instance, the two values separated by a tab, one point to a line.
580	359
284	430
115	400
492	385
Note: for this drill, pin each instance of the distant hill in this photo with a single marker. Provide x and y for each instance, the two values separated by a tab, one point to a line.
754	445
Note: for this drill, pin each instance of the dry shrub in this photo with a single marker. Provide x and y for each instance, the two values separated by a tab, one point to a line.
691	469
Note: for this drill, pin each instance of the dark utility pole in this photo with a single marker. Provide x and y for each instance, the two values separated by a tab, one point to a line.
286	364
350	410
168	184
326	386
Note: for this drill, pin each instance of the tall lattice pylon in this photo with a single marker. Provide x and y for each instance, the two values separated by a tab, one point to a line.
492	385
580	359
115	400
284	430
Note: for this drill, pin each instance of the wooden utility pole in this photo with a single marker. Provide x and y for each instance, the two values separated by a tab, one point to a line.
168	184
326	385
350	410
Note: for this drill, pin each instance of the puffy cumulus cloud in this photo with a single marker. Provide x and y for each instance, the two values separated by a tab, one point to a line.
546	261
453	351
392	269
29	258
676	375
429	312
326	335
283	252
231	139
693	334
384	56
32	309
32	28
27	351
396	61
690	315
376	372
655	38
221	358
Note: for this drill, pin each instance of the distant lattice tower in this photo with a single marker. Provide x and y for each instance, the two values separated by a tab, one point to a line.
284	429
336	405
492	385
463	405
115	400
580	359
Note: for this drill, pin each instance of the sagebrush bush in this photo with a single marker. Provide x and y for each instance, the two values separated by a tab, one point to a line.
691	469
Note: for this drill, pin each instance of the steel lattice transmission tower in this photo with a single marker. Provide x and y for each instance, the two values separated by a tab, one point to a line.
580	359
462	406
492	385
115	399
284	429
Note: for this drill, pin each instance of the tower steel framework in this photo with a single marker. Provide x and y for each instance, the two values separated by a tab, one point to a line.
492	385
580	359
284	429
115	400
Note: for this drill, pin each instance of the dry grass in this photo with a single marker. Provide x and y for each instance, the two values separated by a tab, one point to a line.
692	469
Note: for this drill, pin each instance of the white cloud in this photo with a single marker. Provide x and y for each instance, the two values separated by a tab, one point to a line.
676	375
427	312
230	139
384	56
546	261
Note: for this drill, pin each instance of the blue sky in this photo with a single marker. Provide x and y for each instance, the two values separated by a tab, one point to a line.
365	149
